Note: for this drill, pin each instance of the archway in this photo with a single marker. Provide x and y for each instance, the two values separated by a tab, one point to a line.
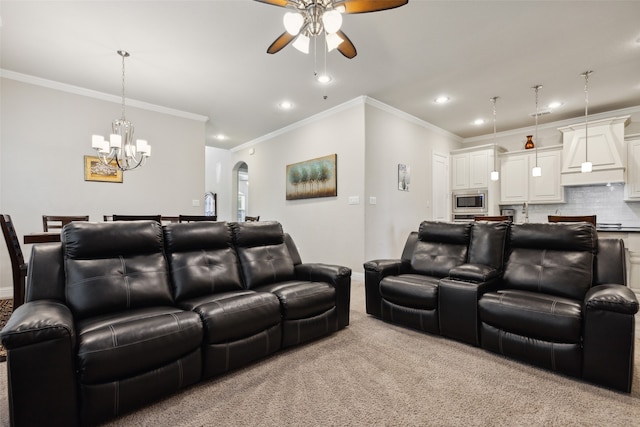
241	190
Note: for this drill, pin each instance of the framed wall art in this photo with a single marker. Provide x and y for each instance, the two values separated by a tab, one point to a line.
404	177
95	170
313	178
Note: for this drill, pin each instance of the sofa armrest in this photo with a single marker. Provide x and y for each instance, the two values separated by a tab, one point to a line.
609	335
36	322
40	342
374	272
611	297
475	273
338	276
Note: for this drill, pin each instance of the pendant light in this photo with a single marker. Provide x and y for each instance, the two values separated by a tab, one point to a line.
537	170
495	175
586	166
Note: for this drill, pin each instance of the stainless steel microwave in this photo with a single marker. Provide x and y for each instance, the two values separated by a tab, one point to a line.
470	201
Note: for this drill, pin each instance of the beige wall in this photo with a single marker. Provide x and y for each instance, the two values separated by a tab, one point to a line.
325	229
46	133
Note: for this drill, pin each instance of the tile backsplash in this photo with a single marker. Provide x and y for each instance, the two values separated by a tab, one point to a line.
607	202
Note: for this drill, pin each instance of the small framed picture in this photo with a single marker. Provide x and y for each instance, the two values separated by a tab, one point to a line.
96	170
404	177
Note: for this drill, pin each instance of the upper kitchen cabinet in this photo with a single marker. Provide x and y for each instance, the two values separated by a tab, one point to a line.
632	186
518	186
471	167
604	148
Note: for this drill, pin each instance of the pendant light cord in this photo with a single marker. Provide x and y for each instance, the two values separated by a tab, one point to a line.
493	100
586	113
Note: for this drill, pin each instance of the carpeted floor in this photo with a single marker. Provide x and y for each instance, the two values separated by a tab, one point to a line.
6	307
373	373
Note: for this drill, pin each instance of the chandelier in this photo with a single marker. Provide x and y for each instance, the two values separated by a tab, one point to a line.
120	148
536	171
586	166
495	175
312	20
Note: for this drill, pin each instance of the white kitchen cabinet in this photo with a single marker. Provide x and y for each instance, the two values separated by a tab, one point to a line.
518	186
470	169
632	186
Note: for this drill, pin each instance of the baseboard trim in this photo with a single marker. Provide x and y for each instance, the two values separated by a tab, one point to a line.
6	293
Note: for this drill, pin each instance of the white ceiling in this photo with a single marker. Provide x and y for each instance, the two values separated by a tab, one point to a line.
209	58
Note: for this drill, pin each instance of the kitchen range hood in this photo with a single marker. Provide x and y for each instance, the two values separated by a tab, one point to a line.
605	149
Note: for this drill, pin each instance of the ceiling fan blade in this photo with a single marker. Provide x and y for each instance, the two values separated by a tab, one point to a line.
346	47
281	3
362	6
280	42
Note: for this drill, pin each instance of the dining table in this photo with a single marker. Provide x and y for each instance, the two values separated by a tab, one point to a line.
42	237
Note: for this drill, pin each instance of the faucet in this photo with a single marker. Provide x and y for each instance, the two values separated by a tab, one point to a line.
525	211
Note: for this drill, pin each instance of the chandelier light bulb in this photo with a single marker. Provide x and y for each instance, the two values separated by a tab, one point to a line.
293	22
333	41
332	21
302	43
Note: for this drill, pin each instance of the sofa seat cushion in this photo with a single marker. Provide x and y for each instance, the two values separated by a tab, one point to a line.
300	299
121	345
411	290
230	316
531	314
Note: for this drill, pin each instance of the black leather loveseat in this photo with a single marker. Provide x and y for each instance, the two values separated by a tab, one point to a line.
553	295
120	314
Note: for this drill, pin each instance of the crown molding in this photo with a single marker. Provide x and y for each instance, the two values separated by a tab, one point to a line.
311	119
555	125
408	117
63	87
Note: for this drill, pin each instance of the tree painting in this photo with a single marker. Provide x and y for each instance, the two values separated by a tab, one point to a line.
312	178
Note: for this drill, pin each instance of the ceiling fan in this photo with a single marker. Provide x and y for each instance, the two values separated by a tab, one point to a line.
310	18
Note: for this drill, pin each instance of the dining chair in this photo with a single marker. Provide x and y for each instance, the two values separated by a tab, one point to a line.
491	218
194	218
18	266
56	222
252	218
137	218
169	219
574	218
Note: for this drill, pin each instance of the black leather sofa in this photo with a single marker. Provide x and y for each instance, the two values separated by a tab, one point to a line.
552	295
121	314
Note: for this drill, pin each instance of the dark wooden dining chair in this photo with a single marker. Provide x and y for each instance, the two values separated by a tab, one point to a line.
18	266
573	218
492	218
137	218
194	218
56	222
252	218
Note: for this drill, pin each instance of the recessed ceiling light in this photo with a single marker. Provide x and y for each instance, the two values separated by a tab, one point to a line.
323	78
442	99
555	104
478	122
220	137
286	105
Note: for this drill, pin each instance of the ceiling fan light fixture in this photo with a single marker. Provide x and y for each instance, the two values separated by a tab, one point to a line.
333	41
332	21
302	43
293	22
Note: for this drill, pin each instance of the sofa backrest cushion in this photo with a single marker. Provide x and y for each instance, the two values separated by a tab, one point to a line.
440	247
114	266
202	259
552	258
264	257
488	243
